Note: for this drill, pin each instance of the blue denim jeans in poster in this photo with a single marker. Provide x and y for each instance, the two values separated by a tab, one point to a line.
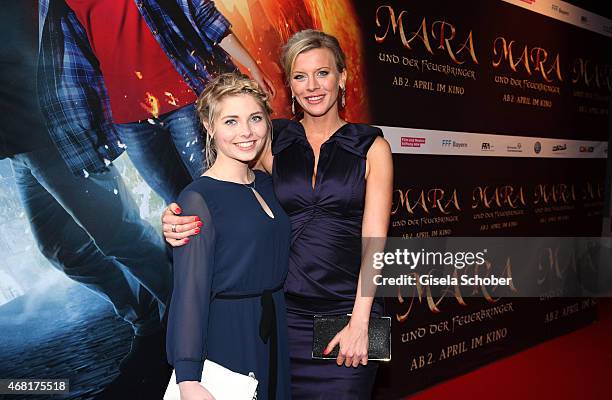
90	228
167	151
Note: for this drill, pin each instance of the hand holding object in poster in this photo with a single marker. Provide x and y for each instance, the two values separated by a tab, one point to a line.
234	48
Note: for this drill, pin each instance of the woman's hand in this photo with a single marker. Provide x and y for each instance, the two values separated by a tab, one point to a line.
264	81
192	390
238	52
353	341
183	226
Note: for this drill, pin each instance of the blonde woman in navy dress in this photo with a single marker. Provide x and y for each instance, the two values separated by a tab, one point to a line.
227	304
334	179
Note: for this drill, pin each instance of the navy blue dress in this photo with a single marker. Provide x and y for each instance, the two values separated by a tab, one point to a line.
228	304
325	253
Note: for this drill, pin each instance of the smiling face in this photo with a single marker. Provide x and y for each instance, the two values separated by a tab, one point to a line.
315	81
240	129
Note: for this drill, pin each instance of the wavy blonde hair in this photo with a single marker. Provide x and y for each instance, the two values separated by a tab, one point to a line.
207	105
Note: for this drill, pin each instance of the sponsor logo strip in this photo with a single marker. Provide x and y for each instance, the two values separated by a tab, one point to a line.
424	141
566	12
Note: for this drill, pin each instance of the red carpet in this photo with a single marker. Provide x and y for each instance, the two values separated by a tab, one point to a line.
574	366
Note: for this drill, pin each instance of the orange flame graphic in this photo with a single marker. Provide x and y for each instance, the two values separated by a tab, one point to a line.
151	105
171	99
264	25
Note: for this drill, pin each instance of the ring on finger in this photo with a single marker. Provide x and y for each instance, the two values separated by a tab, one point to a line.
174	228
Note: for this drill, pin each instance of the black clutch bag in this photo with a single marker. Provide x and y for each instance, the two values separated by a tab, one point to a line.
326	327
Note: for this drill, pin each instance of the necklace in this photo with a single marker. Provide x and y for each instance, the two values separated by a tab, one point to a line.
252	184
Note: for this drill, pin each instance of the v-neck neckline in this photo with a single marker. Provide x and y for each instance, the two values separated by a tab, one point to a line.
314	171
302	130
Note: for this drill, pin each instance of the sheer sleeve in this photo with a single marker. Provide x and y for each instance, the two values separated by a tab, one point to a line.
193	272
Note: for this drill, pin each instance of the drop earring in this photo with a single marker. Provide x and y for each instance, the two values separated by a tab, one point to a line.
343	99
293	104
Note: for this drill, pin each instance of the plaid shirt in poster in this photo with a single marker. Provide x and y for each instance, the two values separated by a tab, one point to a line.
71	88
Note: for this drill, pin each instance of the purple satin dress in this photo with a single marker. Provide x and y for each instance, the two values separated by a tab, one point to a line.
325	253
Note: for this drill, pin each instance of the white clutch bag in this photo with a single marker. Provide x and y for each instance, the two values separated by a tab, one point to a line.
222	383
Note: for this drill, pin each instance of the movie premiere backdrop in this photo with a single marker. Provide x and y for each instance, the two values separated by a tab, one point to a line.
497	115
